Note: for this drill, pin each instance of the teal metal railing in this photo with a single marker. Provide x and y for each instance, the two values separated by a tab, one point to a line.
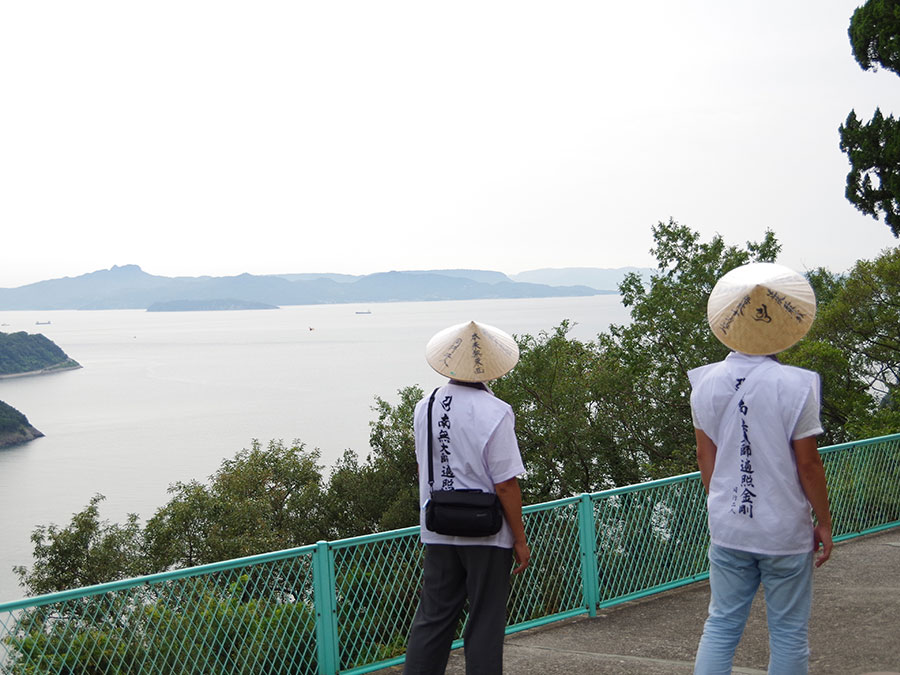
346	606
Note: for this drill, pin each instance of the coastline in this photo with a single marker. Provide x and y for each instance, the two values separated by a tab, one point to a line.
9	439
43	371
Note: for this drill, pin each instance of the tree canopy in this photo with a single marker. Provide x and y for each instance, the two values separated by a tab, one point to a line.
874	28
87	551
667	336
873	148
263	499
854	345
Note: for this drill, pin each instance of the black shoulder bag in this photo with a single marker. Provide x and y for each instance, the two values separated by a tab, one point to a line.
460	513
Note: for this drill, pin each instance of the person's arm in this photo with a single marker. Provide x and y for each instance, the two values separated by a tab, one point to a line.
811	472
706	457
511	500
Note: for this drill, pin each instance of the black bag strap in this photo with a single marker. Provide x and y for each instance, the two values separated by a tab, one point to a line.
431	443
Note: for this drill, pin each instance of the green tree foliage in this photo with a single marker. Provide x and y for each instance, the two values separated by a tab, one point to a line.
874	30
593	415
854	345
648	359
182	533
381	493
264	499
24	353
873	148
556	391
394	457
86	552
873	183
353	503
189	628
11	420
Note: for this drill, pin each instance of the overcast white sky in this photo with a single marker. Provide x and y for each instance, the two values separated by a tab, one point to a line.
217	138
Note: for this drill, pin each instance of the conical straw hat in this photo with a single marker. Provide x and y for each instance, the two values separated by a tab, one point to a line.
761	308
472	352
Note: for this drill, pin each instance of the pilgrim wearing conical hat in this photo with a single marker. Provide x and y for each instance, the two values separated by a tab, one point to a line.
472	352
756	422
761	308
466	449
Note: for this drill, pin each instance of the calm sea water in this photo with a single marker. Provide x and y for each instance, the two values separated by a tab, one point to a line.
165	397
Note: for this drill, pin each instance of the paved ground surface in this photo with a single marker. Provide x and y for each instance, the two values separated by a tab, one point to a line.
855	627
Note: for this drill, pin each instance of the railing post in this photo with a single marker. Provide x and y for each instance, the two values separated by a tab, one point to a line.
326	619
587	539
859	466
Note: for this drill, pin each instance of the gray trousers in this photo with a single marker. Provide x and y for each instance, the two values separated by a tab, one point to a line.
452	574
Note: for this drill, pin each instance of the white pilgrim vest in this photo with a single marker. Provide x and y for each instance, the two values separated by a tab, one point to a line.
475	448
749	407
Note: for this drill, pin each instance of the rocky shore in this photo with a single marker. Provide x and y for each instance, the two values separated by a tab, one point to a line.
21	435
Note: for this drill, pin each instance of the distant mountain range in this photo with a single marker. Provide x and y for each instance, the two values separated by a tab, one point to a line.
593	277
129	287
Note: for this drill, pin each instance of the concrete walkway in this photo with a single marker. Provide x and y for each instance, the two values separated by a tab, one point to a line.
855	626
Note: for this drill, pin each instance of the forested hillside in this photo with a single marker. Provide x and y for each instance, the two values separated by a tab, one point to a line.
14	426
24	353
21	353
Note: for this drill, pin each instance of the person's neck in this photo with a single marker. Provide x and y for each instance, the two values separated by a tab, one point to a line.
474	385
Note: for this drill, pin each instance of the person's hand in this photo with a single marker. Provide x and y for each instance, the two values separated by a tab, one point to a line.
522	554
823	544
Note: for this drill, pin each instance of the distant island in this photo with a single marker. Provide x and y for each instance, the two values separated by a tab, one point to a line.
207	305
14	427
21	355
129	287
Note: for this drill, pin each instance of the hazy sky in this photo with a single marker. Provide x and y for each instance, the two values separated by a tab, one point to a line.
225	137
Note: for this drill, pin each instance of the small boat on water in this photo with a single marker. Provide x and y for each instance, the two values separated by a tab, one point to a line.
365	311
41	323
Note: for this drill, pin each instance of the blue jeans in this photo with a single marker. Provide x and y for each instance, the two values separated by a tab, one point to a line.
734	577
